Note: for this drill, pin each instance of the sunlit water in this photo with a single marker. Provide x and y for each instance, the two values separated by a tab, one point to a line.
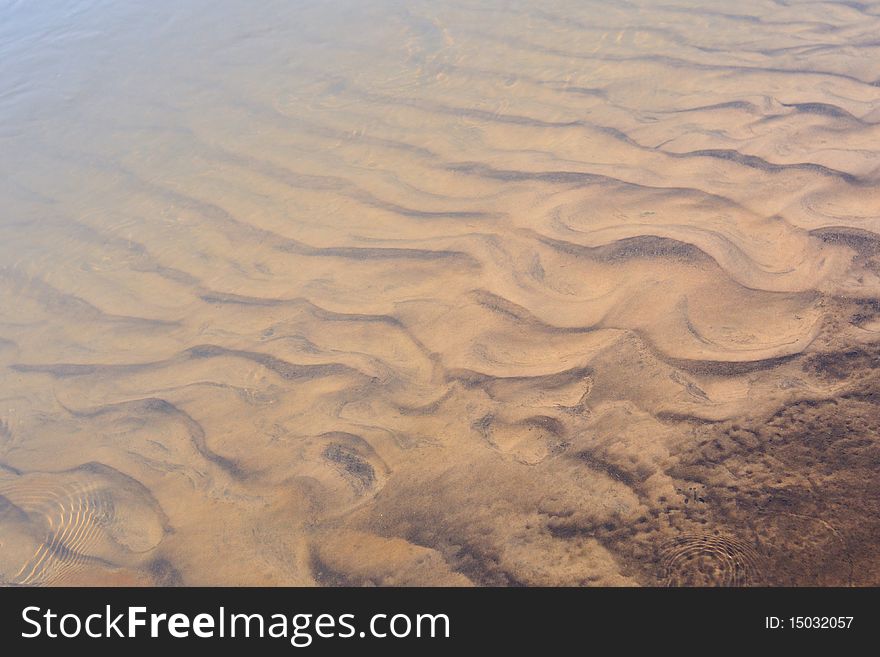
542	293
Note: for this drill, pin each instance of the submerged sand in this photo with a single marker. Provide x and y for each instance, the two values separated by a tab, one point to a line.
424	293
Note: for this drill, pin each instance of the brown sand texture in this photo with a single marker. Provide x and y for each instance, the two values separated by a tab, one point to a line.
440	293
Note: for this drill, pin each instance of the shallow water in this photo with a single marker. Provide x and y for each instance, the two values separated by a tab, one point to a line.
542	293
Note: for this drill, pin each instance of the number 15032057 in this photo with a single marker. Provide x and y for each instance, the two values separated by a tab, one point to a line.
808	622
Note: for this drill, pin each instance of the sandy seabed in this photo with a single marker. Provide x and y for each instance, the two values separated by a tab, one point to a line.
440	293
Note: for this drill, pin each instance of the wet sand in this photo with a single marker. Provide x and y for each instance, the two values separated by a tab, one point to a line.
420	293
